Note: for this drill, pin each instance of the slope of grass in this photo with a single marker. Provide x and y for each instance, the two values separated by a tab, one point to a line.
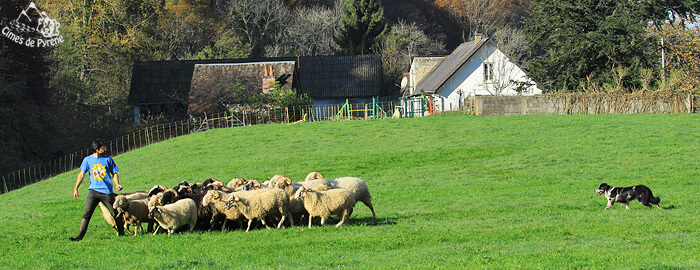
451	192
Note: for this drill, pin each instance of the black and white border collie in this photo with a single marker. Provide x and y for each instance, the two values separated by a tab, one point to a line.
624	195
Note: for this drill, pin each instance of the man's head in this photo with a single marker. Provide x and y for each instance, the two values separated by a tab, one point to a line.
98	146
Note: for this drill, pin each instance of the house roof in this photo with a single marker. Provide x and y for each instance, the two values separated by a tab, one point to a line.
433	81
320	77
352	76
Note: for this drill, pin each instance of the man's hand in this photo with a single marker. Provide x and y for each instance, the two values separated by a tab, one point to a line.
75	193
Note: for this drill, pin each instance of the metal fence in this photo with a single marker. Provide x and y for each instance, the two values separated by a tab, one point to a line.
235	118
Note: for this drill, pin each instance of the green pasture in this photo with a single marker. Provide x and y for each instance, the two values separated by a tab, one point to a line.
451	192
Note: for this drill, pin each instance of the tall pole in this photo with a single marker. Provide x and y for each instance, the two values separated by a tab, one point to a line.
663	62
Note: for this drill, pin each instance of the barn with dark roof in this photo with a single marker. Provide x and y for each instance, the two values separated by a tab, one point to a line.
172	87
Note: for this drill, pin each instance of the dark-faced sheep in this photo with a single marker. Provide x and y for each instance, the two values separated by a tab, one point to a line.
217	200
323	204
134	212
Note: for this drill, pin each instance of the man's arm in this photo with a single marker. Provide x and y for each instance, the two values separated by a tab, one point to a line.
79	180
116	182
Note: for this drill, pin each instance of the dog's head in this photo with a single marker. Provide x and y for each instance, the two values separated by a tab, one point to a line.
602	189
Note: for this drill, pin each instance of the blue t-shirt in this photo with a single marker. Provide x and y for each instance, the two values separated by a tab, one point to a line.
101	170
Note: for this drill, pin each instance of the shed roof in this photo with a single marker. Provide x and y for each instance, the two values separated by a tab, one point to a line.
433	81
325	77
168	82
320	77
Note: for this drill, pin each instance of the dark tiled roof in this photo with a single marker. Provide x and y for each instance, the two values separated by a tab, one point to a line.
322	77
165	82
447	67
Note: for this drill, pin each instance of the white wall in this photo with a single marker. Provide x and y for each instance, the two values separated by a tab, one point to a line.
468	80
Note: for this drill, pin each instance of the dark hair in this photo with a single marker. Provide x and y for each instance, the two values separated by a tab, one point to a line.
96	144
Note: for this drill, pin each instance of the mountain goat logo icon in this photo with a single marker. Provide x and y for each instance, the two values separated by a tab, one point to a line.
33	28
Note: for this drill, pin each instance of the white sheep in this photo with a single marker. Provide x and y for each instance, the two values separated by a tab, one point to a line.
296	207
326	203
107	215
355	185
260	203
174	215
133	211
218	199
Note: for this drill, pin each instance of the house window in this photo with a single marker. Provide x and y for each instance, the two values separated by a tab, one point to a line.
488	72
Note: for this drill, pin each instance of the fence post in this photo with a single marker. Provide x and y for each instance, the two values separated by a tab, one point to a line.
4	183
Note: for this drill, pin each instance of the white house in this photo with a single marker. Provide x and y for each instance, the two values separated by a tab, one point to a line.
476	68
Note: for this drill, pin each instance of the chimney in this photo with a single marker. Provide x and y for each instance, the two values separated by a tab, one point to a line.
477	37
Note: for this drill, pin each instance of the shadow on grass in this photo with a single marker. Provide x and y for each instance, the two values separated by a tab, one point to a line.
370	221
669	207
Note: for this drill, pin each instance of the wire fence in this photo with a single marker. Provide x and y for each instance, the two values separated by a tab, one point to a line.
230	119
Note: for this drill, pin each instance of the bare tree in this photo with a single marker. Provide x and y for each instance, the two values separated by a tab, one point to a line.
403	42
310	32
502	70
259	21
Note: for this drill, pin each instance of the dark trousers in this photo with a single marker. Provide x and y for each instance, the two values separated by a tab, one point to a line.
91	202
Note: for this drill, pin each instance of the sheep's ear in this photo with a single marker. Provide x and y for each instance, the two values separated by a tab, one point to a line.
288	181
214	194
235	198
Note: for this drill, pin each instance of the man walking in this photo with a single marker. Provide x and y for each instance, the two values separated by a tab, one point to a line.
103	171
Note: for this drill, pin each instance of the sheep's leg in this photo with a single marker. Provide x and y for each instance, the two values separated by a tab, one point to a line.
262	220
223	227
126	227
371	208
291	218
281	220
323	220
310	218
250	221
139	227
342	219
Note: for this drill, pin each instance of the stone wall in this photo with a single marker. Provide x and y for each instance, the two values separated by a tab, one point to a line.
585	103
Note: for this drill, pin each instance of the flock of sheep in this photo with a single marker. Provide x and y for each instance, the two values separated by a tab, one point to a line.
207	205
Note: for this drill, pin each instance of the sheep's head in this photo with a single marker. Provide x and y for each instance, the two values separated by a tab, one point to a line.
119	202
156	189
277	179
210	197
236	182
154	212
252	185
169	196
231	202
216	185
313	176
301	192
155	200
209	181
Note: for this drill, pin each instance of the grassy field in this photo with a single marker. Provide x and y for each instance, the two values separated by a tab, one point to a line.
451	192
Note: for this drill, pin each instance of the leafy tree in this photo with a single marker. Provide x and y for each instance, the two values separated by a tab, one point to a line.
361	25
276	98
595	40
681	51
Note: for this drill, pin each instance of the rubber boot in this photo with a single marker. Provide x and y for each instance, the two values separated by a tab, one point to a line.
83	229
